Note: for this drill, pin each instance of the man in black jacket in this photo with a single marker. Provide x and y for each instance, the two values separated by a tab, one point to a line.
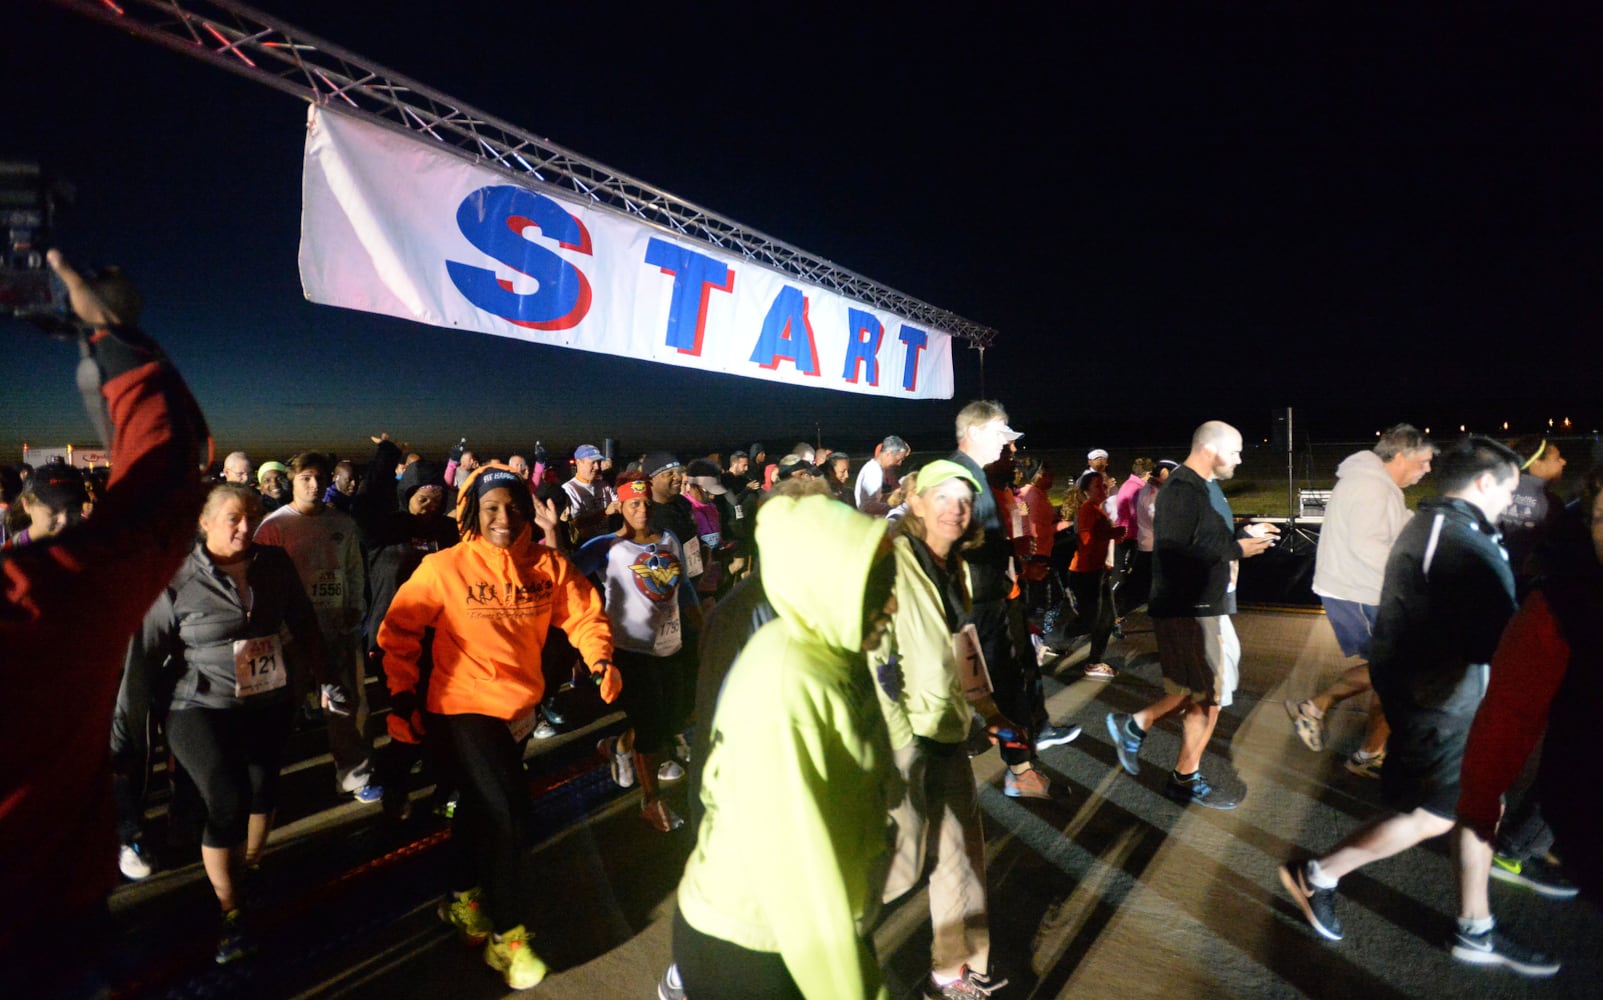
1195	547
1447	596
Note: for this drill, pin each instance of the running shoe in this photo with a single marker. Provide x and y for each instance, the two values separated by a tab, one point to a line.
510	956
1031	784
1537	874
135	866
1197	792
544	730
623	768
466	916
369	794
670	771
1365	767
961	988
1310	728
659	817
548	708
232	944
986	982
1317	905
1101	672
1127	746
671	987
446	809
1492	948
1056	736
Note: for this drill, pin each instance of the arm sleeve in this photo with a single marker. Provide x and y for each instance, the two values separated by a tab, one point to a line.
119	560
380	495
1527	669
355	572
807	901
143	663
301	619
1482	601
591	559
414	608
576	609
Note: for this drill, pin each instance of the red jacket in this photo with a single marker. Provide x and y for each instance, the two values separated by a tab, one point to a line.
71	605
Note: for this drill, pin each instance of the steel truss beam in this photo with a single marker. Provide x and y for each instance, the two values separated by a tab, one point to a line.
245	41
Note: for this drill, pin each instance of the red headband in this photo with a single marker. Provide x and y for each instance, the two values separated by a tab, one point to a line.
634	489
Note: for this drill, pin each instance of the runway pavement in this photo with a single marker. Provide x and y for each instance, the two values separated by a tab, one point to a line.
1115	891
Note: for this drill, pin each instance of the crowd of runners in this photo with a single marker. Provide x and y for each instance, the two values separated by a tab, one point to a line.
819	653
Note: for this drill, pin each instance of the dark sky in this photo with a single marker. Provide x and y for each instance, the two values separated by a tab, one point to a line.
1167	216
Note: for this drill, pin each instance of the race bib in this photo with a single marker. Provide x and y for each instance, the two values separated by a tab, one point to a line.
328	590
667	640
1018	521
258	666
521	728
693	565
971	671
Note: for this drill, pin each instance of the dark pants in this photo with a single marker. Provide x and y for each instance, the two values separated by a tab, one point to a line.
1094	606
233	755
491	826
1132	586
658	693
714	969
1524	832
1015	678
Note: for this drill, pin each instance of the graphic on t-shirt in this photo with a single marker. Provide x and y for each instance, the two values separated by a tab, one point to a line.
656	573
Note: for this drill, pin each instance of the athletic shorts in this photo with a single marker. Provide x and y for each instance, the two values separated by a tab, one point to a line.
1353	623
1201	658
1424	756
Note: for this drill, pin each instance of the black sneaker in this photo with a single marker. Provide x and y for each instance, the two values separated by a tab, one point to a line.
1054	736
1318	905
1492	948
232	944
958	989
1536	874
985	982
1126	746
1197	792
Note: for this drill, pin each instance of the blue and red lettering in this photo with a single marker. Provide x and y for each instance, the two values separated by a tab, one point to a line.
787	335
694	276
916	340
494	219
863	347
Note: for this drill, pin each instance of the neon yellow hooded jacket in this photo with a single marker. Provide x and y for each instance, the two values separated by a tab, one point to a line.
792	850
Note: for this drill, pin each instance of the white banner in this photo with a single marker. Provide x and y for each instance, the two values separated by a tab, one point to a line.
391	226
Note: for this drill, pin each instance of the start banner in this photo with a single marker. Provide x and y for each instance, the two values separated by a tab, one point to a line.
391	226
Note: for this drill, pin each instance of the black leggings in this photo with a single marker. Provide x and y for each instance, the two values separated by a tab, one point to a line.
1095	608
491	825
233	755
713	969
658	694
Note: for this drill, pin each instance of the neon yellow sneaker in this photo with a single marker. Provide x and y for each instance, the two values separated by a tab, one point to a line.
510	956
466	915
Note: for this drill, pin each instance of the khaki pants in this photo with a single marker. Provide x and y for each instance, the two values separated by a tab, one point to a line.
941	805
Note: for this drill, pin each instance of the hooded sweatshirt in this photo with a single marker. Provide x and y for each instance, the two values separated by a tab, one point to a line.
1365	514
490	609
916	666
792	848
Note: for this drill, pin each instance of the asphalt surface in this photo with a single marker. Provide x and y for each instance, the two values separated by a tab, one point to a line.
1113	890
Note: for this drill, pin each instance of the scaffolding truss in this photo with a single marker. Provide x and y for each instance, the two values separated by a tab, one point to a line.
245	41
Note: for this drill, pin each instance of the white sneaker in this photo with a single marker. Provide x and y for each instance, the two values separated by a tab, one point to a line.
670	771
133	863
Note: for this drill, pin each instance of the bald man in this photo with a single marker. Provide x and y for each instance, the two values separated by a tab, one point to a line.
1196	546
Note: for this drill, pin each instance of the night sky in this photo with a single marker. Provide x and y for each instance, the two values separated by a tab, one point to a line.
1168	215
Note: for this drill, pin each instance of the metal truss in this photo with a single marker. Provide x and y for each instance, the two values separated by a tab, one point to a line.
245	41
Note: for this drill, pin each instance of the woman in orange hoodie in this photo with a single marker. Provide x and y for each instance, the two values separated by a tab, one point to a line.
490	602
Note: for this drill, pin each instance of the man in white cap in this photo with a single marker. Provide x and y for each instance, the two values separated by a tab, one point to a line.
590	500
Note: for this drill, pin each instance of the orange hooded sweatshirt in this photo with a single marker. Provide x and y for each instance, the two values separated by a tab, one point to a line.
490	609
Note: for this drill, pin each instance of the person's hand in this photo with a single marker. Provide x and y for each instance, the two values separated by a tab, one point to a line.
108	299
546	516
607	678
405	721
336	700
613	508
1262	530
380	438
1251	546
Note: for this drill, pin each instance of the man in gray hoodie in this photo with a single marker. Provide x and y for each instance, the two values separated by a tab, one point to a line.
1365	514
